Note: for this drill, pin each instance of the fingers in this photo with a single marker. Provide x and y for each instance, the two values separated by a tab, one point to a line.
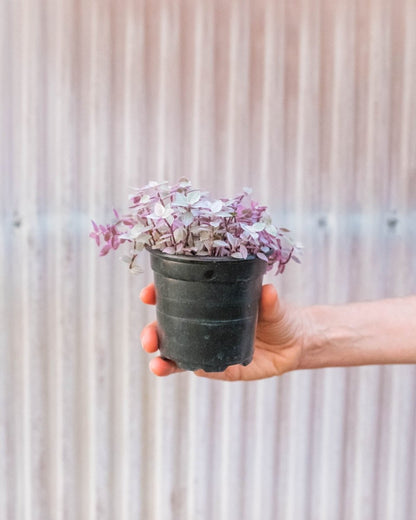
149	338
231	373
163	367
148	295
150	343
269	304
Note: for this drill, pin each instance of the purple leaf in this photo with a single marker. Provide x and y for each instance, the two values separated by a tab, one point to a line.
96	237
105	249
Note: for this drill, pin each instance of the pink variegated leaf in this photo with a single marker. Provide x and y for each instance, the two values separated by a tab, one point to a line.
96	237
105	249
220	243
169	250
243	251
262	256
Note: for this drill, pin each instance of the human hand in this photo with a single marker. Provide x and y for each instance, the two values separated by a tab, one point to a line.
279	342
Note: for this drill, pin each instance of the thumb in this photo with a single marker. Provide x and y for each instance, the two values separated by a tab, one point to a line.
270	308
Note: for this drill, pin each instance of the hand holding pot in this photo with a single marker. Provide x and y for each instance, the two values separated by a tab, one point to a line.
280	335
288	338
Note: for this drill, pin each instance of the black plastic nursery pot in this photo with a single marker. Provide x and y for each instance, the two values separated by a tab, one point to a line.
206	309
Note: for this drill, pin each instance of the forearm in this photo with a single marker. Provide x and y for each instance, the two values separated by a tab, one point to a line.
365	333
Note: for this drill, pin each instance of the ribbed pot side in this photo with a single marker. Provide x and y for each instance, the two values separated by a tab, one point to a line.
206	309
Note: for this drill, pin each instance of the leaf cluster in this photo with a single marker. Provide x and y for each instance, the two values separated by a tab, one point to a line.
181	220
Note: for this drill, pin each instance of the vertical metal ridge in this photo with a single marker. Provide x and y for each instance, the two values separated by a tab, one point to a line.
197	43
270	148
230	129
410	484
162	109
24	205
7	468
409	106
230	459
120	350
395	453
89	460
261	404
10	222
194	441
53	286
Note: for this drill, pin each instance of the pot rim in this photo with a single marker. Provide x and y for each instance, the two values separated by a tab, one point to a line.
201	259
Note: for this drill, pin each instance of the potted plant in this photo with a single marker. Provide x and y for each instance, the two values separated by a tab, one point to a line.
208	258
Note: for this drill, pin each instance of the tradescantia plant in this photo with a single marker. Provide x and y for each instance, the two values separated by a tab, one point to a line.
181	220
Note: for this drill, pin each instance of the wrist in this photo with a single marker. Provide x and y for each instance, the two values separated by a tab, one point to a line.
364	333
315	338
339	336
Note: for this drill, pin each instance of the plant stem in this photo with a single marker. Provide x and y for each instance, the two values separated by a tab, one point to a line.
171	232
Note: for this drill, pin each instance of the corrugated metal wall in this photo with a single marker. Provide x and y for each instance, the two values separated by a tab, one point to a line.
313	104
